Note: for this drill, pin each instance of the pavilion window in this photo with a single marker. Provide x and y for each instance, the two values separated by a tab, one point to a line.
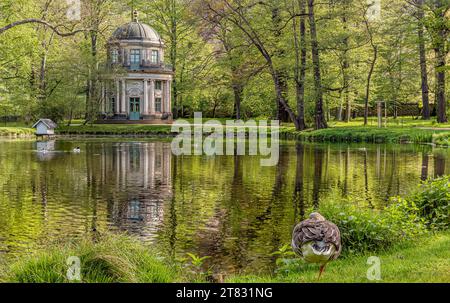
113	104
155	56
135	56
158	85
115	56
158	104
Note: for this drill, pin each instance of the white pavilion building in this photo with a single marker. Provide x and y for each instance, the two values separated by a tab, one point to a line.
142	92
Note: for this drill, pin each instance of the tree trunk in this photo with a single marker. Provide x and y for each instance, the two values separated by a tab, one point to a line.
423	64
300	66
345	68
369	78
440	85
237	91
173	56
319	118
281	115
440	38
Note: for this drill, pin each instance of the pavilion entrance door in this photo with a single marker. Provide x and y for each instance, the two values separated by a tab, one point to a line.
135	108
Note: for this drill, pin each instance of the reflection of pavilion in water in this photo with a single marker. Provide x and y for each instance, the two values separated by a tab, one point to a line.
139	175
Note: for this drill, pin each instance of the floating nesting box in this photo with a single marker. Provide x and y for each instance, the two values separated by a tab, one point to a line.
45	127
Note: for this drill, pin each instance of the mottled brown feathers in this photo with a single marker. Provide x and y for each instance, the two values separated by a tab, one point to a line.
316	230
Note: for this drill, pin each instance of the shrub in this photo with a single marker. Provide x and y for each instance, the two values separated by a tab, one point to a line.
364	230
433	202
442	139
405	218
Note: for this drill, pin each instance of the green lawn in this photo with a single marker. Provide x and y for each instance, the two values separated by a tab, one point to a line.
399	122
427	260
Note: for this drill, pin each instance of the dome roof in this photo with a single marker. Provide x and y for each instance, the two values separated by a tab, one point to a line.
136	31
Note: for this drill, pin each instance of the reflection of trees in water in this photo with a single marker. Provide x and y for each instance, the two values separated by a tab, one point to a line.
424	172
317	178
298	196
439	165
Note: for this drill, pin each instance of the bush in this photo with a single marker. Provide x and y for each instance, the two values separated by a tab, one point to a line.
364	230
113	258
433	202
442	139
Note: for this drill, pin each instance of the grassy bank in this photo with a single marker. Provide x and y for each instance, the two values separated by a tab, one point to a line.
119	258
16	132
367	134
110	258
114	129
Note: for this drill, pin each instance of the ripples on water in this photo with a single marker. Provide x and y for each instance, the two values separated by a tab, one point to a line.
227	207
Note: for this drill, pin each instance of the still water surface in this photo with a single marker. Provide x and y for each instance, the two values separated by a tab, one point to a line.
226	207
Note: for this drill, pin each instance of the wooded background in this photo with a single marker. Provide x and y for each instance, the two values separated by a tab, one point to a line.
301	61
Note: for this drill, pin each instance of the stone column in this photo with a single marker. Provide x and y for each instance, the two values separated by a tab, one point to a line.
117	97
169	92
145	109
152	96
123	102
165	97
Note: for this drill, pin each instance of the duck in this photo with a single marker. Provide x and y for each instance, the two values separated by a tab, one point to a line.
77	150
317	240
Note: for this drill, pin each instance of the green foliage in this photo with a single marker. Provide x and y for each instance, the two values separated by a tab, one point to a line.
442	139
50	110
215	61
112	258
16	131
432	200
364	134
193	268
364	230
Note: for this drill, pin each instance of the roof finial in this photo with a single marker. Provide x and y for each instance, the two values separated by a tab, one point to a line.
135	15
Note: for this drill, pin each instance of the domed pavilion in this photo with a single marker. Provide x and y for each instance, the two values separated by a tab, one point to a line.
140	91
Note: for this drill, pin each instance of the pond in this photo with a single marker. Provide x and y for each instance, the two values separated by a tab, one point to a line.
226	207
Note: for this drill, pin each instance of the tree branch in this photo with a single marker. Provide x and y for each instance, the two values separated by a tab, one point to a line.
53	28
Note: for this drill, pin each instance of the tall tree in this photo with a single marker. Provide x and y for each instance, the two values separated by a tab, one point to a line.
423	60
299	31
372	63
319	116
439	27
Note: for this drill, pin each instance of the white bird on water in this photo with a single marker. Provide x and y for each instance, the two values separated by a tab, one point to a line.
317	240
77	150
